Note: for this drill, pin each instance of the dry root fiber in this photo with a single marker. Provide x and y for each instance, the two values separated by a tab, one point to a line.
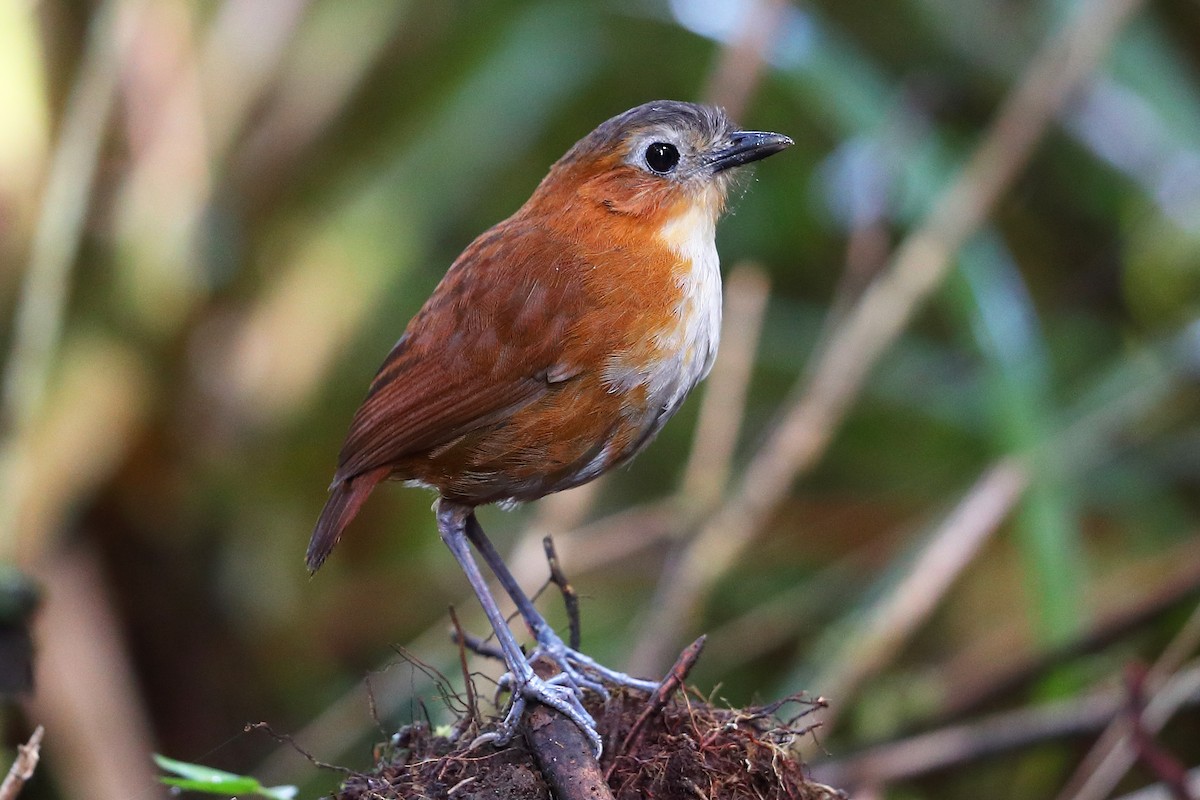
685	749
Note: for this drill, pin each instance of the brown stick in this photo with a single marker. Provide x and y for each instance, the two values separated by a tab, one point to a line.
290	742
564	756
570	596
24	765
1153	755
983	687
671	684
955	544
987	736
563	753
477	645
469	718
1112	755
658	700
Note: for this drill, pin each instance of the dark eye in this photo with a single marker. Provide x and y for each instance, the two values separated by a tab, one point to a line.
662	157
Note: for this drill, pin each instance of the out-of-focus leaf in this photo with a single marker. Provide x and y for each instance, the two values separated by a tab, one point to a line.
1162	272
197	778
997	305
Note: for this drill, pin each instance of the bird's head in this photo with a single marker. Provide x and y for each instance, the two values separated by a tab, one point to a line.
656	159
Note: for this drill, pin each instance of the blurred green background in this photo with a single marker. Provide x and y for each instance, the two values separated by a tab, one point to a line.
216	218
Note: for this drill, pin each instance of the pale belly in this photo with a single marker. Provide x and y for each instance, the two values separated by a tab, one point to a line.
683	350
571	436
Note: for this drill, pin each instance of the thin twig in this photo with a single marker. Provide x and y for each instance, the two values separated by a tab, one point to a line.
437	678
1176	584
290	741
1112	755
477	645
841	368
569	595
468	685
951	548
597	544
1153	755
1159	792
961	744
659	699
23	766
557	515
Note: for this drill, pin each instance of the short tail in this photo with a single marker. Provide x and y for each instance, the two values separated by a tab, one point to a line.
345	499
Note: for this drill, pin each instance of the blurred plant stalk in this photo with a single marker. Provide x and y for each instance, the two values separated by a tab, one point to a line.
840	368
38	323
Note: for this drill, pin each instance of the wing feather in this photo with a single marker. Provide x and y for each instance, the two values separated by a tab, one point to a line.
491	339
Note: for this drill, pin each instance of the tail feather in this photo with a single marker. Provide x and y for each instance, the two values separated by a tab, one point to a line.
345	499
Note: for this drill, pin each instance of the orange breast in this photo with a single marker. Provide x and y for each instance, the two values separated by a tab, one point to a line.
554	349
621	356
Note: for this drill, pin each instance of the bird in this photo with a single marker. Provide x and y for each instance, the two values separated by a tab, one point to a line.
552	351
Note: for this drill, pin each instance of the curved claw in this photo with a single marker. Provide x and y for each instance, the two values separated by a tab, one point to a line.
459	528
562	699
562	692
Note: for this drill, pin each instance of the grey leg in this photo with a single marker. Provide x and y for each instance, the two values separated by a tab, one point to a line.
452	523
549	642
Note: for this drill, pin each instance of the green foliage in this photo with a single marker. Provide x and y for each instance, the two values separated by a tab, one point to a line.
196	778
216	219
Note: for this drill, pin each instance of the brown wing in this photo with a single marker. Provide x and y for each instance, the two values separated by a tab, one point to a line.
493	337
490	339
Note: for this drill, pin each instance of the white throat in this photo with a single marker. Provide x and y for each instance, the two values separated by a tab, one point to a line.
690	344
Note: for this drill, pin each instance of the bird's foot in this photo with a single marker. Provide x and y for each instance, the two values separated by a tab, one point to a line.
562	692
576	667
562	698
578	671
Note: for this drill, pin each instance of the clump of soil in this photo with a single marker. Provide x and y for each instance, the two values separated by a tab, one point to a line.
690	749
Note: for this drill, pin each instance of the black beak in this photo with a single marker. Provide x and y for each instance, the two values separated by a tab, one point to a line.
747	146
